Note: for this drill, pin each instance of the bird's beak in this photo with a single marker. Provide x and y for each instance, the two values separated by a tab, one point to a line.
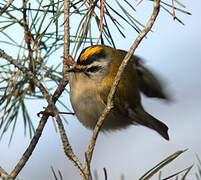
71	70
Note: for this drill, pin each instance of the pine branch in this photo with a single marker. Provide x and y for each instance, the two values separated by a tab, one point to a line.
113	89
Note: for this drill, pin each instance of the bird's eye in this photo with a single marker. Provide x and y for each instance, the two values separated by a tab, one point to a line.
93	69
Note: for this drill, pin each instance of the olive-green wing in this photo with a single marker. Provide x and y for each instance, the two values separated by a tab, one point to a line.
149	84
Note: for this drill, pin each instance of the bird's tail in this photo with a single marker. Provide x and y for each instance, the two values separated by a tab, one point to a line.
143	118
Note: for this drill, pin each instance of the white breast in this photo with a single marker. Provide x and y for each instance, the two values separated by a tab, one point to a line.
84	99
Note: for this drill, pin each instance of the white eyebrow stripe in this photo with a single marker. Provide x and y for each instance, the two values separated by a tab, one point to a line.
101	62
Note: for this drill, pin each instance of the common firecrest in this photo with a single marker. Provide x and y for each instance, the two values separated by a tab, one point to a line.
90	82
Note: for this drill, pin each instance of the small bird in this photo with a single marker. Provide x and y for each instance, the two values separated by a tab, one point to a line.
90	83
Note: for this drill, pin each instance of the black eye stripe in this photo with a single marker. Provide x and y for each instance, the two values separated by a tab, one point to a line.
93	69
91	58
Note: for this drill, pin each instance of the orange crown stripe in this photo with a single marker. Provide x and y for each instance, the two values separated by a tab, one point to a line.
90	51
80	66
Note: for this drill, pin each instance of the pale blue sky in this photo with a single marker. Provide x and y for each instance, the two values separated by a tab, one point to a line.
172	50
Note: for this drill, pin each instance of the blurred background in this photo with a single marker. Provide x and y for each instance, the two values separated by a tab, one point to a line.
171	50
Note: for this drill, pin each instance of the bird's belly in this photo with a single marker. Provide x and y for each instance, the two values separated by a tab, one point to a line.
88	110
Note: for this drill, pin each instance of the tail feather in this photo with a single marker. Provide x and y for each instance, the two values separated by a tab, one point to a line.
143	118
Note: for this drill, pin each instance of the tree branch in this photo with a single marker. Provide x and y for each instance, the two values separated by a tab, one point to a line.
28	73
66	145
66	35
51	107
25	157
6	7
52	100
113	89
42	122
4	174
27	37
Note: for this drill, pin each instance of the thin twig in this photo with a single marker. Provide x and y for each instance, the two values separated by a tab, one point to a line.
109	105
27	37
51	107
68	113
28	73
101	21
173	10
6	7
30	148
43	120
66	35
105	173
176	174
4	175
27	33
66	145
